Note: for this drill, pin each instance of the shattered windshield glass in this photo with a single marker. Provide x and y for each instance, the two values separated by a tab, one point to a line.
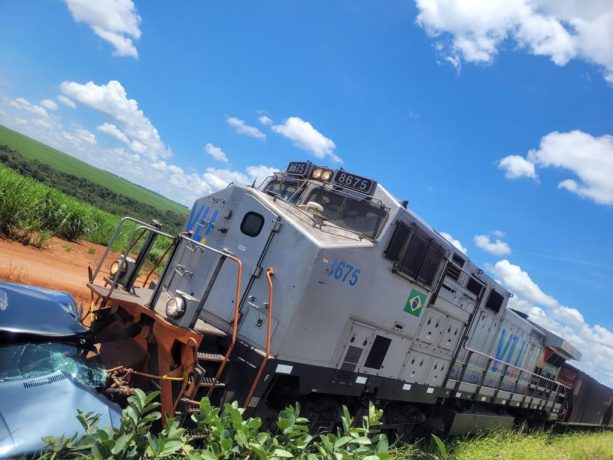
32	360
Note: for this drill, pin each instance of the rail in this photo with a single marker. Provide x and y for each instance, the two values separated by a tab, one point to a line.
485	370
142	225
269	274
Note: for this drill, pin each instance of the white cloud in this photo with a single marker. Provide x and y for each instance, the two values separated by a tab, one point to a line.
305	136
67	101
216	152
23	104
155	173
560	29
113	131
265	120
112	100
48	104
115	21
454	242
498	233
242	128
595	342
260	172
516	166
498	247
589	158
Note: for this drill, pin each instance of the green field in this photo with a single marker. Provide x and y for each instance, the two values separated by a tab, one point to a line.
34	150
515	445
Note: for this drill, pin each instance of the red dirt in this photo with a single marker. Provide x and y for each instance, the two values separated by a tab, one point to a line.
62	265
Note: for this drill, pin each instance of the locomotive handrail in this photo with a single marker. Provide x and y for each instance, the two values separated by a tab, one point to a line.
114	235
239	277
471	350
269	273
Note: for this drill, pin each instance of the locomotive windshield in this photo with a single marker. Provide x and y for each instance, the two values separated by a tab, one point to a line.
345	211
287	190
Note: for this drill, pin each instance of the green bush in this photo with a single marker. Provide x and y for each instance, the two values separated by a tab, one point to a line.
218	434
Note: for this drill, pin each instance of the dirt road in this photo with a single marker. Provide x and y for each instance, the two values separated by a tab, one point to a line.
62	265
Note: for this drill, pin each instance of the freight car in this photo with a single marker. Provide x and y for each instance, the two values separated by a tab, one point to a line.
321	287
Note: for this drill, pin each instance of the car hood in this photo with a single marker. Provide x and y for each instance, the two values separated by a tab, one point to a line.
37	311
47	406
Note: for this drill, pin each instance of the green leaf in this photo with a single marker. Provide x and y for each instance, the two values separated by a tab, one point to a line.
441	447
340	442
170	447
121	443
282	453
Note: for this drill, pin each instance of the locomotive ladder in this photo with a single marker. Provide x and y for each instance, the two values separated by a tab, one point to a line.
210	359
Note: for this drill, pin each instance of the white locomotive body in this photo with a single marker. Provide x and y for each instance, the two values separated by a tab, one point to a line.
346	296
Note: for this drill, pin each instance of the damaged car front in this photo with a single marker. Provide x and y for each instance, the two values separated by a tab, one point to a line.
48	370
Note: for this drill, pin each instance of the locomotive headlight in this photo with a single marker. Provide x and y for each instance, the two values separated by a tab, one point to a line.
316	174
175	307
115	267
326	175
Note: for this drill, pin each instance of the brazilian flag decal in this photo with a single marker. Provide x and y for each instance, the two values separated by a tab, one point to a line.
415	303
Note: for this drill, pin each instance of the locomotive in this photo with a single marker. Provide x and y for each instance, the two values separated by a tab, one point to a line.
321	287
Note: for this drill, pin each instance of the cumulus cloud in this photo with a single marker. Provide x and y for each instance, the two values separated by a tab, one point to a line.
113	131
242	128
516	166
23	104
67	101
265	120
497	247
454	242
150	171
216	152
588	157
594	341
115	21
48	104
260	173
112	100
562	30
305	136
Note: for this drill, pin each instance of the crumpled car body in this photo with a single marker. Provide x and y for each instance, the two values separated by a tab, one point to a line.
46	371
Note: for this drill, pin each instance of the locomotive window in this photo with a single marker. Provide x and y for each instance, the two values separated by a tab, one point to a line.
285	189
377	352
360	216
252	224
474	286
494	301
458	260
399	238
414	254
430	265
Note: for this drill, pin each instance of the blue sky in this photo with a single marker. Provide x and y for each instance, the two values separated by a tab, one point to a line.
494	121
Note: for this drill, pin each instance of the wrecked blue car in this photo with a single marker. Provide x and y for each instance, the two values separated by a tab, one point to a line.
47	370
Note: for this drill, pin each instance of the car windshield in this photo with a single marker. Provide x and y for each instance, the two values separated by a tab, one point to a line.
361	216
32	360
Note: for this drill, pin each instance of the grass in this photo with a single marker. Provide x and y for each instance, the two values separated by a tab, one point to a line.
34	150
31	212
517	445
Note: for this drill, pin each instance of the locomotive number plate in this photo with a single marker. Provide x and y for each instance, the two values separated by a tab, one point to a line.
298	168
354	182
